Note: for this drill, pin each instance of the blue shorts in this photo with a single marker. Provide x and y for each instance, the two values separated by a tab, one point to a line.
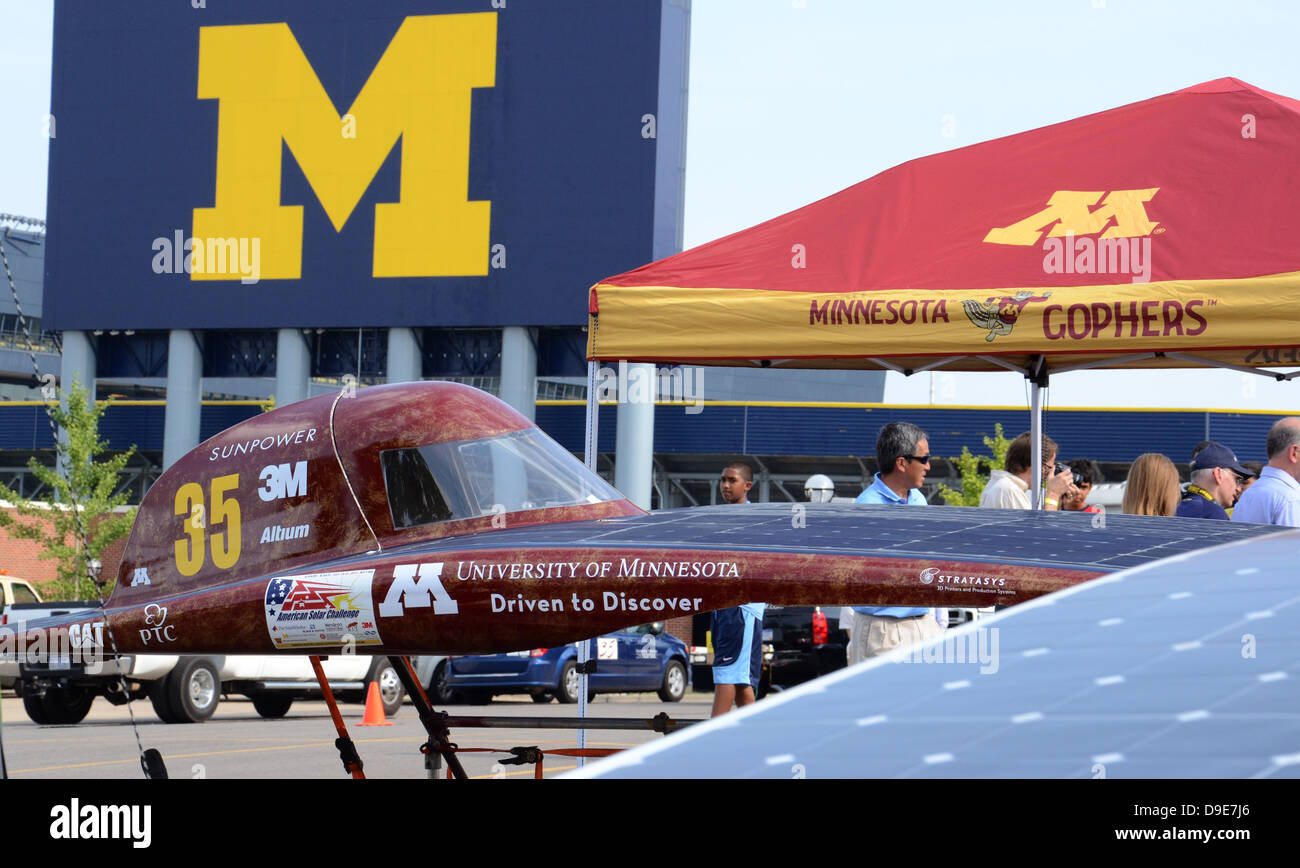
737	646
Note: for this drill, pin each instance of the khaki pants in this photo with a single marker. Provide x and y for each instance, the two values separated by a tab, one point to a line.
874	635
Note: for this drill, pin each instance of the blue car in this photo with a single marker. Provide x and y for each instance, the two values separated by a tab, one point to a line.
640	658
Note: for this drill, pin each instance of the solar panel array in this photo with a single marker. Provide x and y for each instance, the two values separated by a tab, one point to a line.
1108	542
1185	668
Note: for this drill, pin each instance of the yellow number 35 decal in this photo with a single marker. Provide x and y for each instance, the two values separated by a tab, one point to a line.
225	544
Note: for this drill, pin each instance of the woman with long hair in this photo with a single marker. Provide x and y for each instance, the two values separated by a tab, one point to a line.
1152	487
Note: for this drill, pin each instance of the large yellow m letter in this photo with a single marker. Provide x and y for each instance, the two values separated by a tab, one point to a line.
1070	211
419	92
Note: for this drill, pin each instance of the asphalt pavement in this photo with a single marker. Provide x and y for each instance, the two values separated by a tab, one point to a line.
236	743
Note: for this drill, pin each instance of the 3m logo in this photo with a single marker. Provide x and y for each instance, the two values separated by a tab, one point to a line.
1121	213
283	480
418	93
416	592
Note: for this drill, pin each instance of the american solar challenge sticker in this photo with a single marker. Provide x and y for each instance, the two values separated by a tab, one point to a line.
321	609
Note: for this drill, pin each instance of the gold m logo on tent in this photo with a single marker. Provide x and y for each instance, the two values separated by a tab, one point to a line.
1082	213
419	92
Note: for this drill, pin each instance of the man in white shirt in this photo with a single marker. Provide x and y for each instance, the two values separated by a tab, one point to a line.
1275	497
1009	489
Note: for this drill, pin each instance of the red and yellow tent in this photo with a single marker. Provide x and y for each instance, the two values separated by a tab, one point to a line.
1163	233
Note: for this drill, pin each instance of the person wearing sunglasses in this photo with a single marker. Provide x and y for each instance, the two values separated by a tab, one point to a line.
903	453
1217	481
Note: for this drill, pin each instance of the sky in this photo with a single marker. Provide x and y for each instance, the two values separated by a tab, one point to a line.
792	100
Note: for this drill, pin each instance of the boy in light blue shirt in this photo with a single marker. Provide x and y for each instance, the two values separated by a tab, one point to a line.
737	632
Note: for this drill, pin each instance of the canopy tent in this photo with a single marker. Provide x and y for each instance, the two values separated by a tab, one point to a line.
1158	234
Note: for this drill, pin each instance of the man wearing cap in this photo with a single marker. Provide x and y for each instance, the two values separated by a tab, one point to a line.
1217	478
1275	498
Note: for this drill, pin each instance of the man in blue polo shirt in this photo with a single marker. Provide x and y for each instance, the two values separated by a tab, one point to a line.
1217	479
903	453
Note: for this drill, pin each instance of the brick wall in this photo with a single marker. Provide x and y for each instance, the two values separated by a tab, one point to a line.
680	627
21	557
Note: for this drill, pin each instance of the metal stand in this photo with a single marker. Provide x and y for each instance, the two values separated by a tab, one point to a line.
661	722
347	750
534	755
433	765
435	722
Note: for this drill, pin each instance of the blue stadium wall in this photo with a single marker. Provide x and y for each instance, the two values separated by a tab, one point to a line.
750	429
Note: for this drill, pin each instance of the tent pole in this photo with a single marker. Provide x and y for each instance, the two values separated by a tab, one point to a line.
589	452
1036	441
1037	388
593	408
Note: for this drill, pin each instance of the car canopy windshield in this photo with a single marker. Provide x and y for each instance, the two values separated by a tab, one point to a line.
512	472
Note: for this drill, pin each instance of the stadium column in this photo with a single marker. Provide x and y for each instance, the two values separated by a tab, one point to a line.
519	370
77	363
635	435
634	439
292	367
181	415
404	362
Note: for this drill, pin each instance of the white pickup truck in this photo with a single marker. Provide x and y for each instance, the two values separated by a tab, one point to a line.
60	690
13	590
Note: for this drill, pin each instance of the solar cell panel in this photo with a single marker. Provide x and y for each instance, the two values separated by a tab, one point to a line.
993	535
1186	667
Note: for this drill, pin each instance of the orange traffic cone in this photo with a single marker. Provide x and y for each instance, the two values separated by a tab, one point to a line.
374	715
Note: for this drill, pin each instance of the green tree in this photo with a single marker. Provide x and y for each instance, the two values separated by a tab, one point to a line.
82	522
973	477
